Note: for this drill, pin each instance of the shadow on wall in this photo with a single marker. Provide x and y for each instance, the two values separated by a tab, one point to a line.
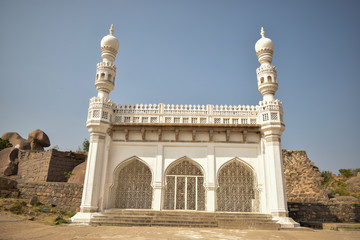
315	214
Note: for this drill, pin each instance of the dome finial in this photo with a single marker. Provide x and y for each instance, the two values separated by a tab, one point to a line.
112	30
262	32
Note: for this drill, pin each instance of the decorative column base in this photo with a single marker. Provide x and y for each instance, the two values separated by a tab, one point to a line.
83	218
157	192
285	222
210	197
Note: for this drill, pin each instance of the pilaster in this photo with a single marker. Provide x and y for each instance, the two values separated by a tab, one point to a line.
158	181
211	180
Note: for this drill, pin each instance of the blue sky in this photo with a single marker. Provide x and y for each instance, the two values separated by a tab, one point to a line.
185	52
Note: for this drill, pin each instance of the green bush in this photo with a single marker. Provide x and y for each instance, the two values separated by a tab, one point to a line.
17	207
86	145
349	172
68	174
327	175
4	143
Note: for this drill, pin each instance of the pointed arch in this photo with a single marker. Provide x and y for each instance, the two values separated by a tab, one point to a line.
184	185
187	171
132	187
237	191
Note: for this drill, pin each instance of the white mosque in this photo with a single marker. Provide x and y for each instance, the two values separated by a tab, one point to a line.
206	158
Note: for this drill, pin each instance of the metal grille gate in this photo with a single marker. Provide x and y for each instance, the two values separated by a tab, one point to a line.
134	186
184	187
236	192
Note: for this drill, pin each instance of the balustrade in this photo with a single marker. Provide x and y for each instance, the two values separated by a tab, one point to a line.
187	113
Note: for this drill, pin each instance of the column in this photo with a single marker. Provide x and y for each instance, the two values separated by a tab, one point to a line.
91	192
277	193
210	182
158	179
93	176
276	176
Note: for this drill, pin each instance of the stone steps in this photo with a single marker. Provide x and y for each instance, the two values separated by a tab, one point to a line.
197	219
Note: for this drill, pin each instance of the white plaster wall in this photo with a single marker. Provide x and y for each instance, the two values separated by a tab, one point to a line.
219	136
168	135
253	138
152	135
236	137
202	136
185	136
210	157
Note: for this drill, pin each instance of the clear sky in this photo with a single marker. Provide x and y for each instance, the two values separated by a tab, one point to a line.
185	52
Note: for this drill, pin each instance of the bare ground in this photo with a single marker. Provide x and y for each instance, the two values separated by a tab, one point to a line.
15	227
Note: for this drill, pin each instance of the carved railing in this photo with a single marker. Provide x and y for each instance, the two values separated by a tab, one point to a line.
107	111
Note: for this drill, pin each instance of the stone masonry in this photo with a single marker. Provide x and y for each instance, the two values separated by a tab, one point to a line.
303	179
315	214
49	166
66	196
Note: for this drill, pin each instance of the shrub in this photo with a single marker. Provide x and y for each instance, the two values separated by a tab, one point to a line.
18	207
327	175
68	174
4	143
349	172
86	145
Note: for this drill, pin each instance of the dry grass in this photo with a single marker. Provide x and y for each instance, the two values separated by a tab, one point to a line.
40	212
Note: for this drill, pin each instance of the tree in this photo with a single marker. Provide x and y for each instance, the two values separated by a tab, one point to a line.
4	143
86	145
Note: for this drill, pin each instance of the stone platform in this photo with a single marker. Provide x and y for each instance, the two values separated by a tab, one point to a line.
127	217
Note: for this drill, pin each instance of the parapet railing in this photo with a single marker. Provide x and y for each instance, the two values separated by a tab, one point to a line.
107	111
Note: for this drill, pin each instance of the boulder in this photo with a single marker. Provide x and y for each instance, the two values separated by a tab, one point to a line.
8	188
79	174
8	161
41	139
13	137
12	169
25	145
7	183
34	201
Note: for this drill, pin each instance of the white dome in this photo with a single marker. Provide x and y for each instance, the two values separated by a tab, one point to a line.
110	40
264	42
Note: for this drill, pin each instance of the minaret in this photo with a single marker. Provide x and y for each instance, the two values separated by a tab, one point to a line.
106	70
266	73
99	127
270	117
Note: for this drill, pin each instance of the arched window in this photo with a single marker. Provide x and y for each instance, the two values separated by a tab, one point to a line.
236	191
134	186
184	188
102	76
269	79
261	80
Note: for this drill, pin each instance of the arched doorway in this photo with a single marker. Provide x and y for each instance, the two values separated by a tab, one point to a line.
184	188
236	191
134	186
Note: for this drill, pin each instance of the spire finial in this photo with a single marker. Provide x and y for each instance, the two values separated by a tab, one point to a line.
262	32
112	29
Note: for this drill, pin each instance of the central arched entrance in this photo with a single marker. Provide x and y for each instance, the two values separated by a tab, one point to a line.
236	191
184	189
134	188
